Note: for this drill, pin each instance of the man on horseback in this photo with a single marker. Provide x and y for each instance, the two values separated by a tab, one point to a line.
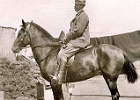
78	37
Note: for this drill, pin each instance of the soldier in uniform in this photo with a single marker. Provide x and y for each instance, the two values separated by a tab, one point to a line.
78	37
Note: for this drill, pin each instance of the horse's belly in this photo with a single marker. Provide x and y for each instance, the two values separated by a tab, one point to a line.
82	74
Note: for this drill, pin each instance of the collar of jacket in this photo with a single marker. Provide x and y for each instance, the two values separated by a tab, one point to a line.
79	12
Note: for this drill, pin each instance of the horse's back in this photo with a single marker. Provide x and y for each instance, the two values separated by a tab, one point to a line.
97	52
111	52
109	47
102	48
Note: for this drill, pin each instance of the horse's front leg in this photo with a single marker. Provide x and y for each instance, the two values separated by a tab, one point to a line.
57	91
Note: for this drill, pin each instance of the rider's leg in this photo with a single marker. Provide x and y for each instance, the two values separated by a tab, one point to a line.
62	72
62	61
63	56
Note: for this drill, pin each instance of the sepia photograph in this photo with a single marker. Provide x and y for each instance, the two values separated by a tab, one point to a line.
69	49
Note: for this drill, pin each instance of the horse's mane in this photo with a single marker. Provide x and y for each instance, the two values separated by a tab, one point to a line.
44	32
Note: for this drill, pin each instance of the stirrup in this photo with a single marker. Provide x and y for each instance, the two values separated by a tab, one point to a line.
56	77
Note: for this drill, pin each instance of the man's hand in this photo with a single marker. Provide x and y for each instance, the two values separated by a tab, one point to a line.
65	41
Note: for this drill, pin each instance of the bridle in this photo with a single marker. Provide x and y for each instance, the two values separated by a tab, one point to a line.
22	40
38	46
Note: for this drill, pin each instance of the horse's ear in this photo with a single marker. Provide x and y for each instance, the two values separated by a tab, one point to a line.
31	21
62	35
23	23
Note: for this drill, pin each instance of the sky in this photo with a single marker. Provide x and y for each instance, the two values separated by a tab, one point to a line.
107	17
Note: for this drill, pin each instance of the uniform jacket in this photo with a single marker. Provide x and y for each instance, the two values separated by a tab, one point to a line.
79	30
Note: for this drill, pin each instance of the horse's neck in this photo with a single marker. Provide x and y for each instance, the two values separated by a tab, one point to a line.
47	59
40	43
39	38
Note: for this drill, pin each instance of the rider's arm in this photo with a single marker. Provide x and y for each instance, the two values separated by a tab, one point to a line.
79	27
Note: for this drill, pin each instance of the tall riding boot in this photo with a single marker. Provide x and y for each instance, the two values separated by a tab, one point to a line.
55	77
62	72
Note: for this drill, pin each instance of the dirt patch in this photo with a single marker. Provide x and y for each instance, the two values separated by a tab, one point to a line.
18	79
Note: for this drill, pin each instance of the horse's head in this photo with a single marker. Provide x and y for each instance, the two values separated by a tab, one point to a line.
22	39
35	36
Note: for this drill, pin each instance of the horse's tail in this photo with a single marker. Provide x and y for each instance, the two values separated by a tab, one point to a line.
130	70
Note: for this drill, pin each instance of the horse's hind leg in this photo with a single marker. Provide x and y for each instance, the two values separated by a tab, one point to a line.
112	84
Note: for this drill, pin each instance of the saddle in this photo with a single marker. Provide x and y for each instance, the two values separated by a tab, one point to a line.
71	60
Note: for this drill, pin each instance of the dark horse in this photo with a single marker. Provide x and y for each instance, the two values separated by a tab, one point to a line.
106	60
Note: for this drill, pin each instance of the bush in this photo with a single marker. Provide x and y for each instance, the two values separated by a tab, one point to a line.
18	79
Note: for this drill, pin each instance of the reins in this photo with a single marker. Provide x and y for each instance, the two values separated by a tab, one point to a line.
43	46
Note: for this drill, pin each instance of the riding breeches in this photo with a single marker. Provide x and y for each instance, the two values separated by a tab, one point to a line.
66	52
